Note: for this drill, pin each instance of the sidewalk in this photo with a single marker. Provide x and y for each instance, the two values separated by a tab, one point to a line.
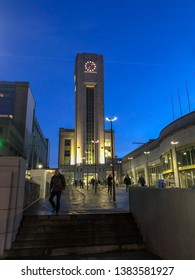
80	200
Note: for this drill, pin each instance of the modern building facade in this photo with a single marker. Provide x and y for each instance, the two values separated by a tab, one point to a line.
85	152
171	157
20	133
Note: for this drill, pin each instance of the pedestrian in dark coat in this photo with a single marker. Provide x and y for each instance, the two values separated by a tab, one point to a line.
141	181
57	185
109	182
127	182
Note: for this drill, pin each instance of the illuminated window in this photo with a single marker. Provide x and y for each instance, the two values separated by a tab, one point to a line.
107	153
107	143
6	116
186	156
166	162
90	123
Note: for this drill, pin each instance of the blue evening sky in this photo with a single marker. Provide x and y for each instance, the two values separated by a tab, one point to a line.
149	54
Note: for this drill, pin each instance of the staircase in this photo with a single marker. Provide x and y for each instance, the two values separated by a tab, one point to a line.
49	237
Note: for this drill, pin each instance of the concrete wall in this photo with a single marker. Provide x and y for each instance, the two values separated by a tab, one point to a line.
42	177
166	219
12	174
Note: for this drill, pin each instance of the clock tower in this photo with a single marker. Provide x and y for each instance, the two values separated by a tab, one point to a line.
89	99
85	151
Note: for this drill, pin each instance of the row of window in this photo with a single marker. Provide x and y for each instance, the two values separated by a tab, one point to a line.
184	157
90	123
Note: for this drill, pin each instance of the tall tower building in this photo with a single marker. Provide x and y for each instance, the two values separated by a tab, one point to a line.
85	152
89	98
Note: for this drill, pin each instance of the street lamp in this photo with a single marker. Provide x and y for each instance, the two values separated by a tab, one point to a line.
111	131
130	159
174	143
148	179
147	153
95	142
83	169
86	162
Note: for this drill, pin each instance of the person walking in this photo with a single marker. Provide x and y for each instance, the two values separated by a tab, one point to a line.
81	183
92	183
57	184
141	181
127	182
109	182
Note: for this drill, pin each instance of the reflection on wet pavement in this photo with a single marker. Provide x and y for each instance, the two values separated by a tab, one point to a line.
80	200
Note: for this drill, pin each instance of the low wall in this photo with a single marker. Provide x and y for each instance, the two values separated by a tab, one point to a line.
12	174
166	219
40	177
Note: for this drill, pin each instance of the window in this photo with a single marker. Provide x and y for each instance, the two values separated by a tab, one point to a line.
67	142
66	153
166	162
186	156
90	123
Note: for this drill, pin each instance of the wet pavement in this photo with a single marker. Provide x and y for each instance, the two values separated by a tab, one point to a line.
76	200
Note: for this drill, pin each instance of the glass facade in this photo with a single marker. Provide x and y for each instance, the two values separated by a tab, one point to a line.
186	166
108	148
90	125
155	173
67	151
7	98
186	156
166	161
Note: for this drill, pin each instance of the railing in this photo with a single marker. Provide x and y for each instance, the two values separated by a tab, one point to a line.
31	193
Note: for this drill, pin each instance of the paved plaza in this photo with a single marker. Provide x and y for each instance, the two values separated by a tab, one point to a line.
76	200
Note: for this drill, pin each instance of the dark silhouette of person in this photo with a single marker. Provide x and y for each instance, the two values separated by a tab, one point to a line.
57	185
81	183
93	182
127	182
141	181
109	182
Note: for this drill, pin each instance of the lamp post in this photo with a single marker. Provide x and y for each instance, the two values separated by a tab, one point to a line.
86	162
148	179
95	142
83	159
111	131
130	159
119	176
174	143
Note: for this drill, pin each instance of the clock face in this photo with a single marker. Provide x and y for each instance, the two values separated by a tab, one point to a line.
90	66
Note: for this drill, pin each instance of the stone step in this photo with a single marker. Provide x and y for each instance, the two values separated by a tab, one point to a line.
77	241
76	234
78	219
77	228
91	224
63	232
70	252
78	216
